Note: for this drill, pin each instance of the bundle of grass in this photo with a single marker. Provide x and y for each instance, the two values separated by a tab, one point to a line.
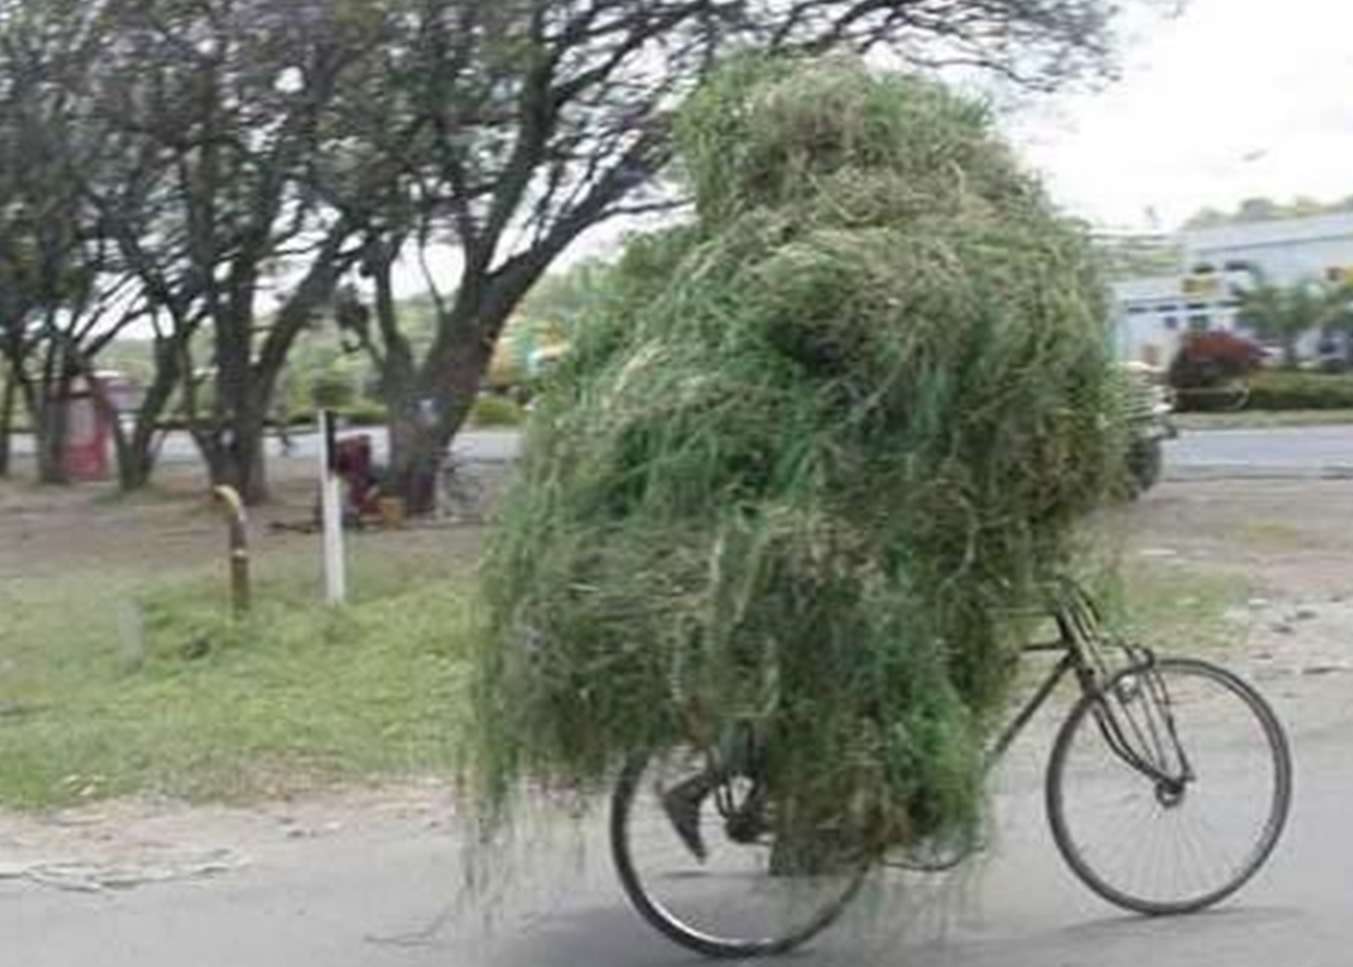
826	439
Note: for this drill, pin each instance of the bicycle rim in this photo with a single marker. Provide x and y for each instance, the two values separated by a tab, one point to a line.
1193	834
743	899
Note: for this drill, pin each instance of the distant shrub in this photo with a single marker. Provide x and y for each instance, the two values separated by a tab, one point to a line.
495	410
1207	359
332	388
365	412
1300	391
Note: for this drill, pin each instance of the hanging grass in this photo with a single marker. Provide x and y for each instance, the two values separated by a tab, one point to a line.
826	438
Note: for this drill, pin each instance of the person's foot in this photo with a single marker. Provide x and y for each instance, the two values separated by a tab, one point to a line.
682	805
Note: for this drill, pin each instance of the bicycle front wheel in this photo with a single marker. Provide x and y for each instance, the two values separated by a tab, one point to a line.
1168	788
741	891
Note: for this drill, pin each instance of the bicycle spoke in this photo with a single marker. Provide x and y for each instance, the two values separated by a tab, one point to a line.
746	894
1129	811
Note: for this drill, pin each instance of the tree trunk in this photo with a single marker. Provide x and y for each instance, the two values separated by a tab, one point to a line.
7	399
47	404
448	380
232	441
1289	342
235	458
421	434
231	436
49	444
133	467
137	454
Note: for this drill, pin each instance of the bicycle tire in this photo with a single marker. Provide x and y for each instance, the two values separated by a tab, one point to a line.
658	913
1131	681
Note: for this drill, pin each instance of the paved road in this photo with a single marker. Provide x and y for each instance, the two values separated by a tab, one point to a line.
476	445
1279	451
1286	451
385	898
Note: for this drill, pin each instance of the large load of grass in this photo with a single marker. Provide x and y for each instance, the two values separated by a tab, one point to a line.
827	438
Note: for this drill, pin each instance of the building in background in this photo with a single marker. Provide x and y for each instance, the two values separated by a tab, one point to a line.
1152	313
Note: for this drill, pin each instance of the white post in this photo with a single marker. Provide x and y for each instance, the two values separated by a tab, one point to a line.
331	512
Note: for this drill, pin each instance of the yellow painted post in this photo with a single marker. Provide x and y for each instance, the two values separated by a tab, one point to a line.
239	547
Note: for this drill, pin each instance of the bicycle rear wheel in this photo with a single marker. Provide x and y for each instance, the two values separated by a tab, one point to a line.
1169	787
748	896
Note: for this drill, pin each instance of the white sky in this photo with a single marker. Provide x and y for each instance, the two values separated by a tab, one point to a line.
1233	99
1230	100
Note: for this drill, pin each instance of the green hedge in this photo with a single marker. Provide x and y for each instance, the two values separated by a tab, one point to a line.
496	411
1300	391
364	413
488	411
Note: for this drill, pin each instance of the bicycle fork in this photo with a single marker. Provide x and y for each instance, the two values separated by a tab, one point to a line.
1135	717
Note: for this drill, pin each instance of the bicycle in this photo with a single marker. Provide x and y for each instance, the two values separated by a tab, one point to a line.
1146	739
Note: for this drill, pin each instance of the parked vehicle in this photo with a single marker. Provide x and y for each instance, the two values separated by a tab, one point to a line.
1149	412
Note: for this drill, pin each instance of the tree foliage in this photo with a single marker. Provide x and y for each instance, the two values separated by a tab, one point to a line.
1208	359
217	111
1286	313
1261	209
62	291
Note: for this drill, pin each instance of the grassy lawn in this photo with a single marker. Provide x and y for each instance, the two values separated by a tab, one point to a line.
1181	610
200	706
1259	419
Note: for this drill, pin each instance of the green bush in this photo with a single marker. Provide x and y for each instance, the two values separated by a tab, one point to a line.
1300	391
333	388
365	412
496	411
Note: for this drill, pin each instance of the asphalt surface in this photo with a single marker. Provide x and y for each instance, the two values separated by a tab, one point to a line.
390	898
1276	452
491	446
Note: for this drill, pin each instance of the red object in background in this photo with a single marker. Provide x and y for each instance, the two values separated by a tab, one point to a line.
354	465
89	432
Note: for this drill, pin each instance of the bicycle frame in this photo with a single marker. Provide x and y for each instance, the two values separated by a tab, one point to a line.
1078	643
1068	663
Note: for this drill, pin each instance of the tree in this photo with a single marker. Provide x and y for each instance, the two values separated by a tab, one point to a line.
62	296
563	301
237	146
1339	314
218	109
1266	209
1130	257
1258	210
1286	313
509	129
1208	359
8	396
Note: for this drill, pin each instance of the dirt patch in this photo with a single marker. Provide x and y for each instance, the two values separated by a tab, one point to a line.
54	532
1282	534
